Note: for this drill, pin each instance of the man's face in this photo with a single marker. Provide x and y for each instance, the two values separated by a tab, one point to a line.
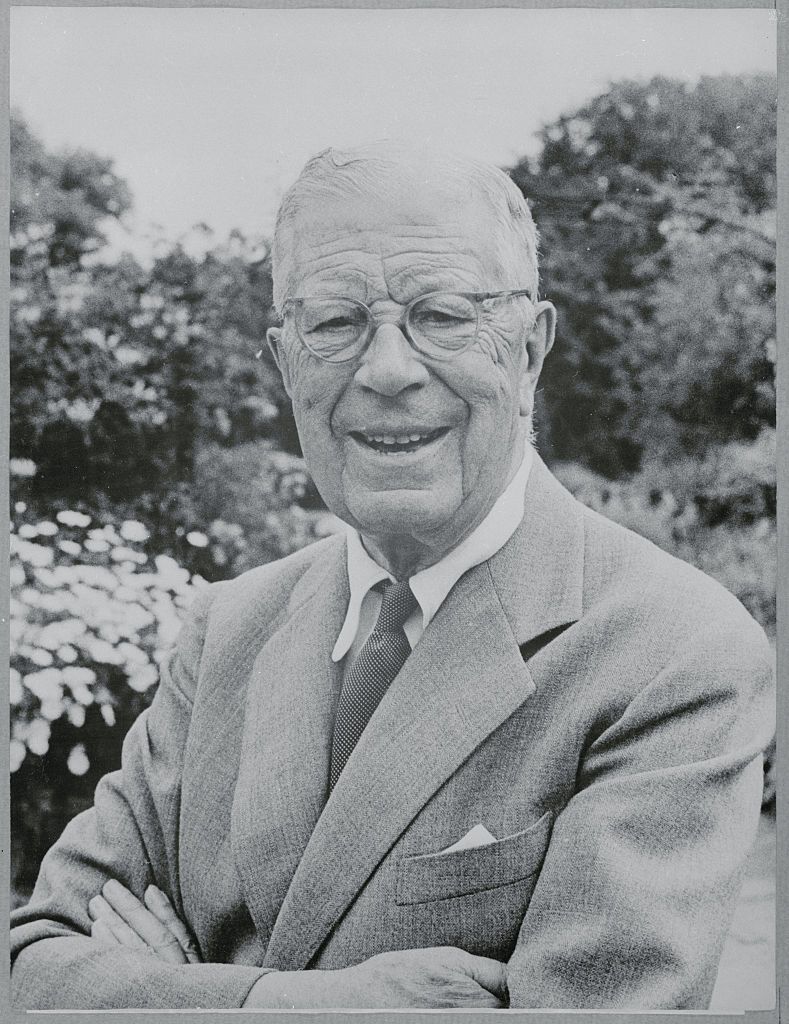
464	418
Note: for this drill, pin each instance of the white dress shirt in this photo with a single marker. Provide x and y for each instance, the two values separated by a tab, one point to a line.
430	586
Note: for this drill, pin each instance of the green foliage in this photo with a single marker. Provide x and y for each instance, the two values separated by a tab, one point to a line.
122	373
717	513
656	203
58	203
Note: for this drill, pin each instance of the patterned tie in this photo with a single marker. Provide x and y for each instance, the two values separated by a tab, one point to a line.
380	659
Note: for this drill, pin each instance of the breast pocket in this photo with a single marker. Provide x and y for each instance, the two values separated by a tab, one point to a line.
428	877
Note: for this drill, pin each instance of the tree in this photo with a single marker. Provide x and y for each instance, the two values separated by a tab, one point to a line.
122	374
656	204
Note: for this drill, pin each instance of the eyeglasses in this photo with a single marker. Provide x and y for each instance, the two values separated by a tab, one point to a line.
440	325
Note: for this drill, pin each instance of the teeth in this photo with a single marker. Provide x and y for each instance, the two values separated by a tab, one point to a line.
391	439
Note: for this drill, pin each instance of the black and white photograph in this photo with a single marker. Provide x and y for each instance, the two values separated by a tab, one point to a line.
393	508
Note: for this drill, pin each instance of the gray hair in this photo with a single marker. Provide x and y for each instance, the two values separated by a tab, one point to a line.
366	170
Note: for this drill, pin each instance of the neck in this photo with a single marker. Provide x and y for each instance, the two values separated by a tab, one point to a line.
404	556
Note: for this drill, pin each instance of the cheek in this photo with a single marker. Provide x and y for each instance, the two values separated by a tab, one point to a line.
315	389
298	361
494	371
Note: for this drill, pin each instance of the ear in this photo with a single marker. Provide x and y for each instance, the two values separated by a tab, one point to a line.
538	344
274	339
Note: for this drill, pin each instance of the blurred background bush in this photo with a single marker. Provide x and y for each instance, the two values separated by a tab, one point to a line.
151	451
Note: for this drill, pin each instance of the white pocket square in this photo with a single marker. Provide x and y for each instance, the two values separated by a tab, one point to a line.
477	836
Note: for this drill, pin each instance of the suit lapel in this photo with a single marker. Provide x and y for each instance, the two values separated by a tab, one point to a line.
464	678
283	771
538	574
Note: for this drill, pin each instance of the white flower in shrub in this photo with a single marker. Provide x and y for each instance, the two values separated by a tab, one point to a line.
78	762
69	518
124	554
39	656
35	736
101	651
15	691
47	684
76	715
22	467
55	603
35	554
171	575
17	751
133	655
58	633
96	576
133	531
78	675
79	679
97	546
77	629
17	629
51	710
143	679
197	539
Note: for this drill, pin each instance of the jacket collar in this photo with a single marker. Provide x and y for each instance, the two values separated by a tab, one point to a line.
538	575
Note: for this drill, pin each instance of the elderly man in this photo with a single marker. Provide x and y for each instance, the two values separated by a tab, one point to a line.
488	749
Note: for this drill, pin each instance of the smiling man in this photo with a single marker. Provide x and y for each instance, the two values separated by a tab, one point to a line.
411	350
488	749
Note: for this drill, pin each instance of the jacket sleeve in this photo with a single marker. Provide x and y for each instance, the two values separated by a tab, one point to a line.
129	834
645	862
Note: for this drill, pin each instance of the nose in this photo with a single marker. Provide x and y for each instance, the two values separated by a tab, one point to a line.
389	364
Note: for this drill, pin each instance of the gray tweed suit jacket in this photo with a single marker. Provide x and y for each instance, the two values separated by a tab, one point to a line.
598	706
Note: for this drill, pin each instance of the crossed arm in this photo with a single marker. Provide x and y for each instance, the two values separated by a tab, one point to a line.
75	948
630	908
420	978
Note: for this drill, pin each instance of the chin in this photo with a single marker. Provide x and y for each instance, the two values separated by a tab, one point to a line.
398	513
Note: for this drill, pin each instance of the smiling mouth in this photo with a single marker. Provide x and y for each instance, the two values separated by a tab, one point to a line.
398	444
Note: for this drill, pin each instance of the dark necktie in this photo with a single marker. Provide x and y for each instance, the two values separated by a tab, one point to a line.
380	659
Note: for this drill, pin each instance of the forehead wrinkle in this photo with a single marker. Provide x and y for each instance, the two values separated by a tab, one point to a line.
420	280
451	269
440	258
444	230
342	261
346	264
377	237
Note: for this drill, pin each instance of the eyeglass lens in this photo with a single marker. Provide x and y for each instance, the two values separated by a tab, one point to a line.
335	329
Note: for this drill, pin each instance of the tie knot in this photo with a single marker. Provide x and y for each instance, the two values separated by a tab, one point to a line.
397	603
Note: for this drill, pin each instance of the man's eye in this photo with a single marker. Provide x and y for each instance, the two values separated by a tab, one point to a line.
337	323
442	318
437	316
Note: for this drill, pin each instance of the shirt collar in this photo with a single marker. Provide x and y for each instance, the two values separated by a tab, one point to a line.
431	586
